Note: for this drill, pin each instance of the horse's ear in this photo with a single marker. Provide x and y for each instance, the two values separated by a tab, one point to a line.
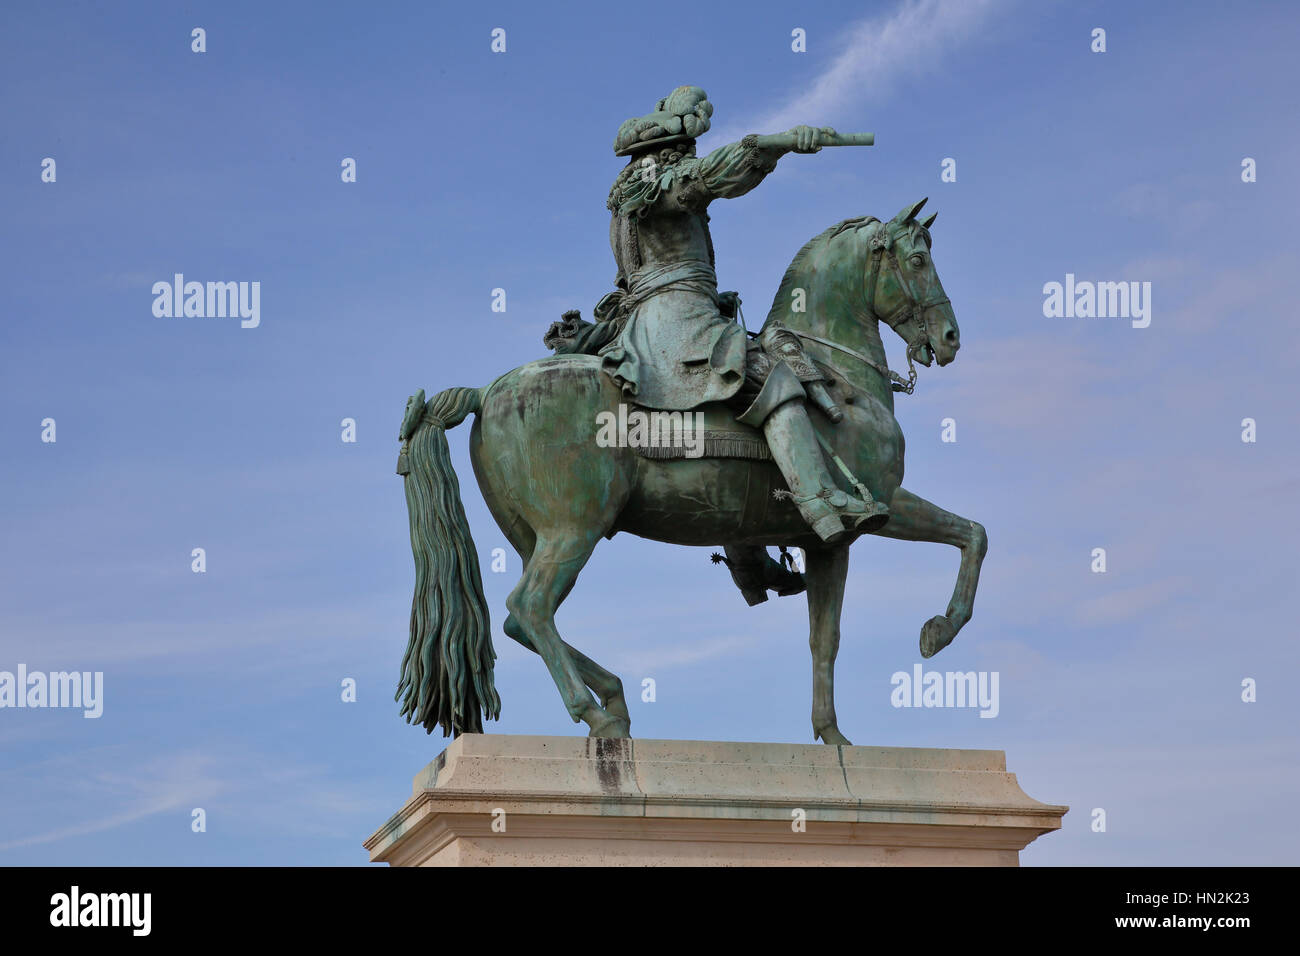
928	221
908	213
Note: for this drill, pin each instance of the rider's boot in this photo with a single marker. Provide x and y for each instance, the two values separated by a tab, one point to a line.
828	509
755	573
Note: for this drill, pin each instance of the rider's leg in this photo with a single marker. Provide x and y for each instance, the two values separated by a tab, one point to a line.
755	573
780	409
782	345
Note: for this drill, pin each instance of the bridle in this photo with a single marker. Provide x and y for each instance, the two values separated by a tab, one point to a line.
882	250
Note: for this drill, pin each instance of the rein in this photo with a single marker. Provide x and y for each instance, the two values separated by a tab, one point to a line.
896	381
882	245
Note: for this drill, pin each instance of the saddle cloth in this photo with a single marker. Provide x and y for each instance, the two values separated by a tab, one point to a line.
709	431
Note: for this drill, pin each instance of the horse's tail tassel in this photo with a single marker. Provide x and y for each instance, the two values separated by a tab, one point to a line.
446	677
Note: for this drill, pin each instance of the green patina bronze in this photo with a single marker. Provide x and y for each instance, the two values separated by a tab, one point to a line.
760	471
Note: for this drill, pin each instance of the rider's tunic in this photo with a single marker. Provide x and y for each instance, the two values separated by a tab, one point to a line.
676	350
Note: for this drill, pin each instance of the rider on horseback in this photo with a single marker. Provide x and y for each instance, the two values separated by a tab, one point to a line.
665	338
678	348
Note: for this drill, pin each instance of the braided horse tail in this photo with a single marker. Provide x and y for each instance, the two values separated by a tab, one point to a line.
446	677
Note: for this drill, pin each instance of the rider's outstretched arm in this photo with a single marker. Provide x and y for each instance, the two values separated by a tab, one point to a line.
733	170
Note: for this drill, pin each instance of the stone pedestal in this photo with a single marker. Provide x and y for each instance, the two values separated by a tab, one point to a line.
503	800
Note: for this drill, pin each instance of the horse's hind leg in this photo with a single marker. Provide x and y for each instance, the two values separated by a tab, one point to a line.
912	518
607	685
826	570
548	576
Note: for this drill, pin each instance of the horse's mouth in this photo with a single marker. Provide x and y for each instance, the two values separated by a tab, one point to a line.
925	355
943	355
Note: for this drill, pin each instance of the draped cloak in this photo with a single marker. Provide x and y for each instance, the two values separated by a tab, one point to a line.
676	350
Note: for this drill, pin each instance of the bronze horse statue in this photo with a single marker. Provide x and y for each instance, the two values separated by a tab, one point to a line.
555	492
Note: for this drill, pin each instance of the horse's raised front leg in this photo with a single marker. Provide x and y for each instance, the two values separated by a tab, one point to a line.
912	518
825	572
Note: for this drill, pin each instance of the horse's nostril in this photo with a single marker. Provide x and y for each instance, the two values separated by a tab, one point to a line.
951	337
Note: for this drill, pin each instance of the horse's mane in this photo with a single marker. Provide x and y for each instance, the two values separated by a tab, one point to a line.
795	270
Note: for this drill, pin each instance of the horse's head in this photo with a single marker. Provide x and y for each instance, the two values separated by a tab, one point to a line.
904	291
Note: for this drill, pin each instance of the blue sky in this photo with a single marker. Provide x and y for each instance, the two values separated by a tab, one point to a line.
477	171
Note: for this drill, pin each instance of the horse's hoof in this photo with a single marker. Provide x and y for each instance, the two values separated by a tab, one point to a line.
936	634
617	728
616	707
832	736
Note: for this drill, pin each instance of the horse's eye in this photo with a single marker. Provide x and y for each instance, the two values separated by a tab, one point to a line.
918	260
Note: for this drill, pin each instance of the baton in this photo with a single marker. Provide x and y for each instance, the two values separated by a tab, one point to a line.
788	141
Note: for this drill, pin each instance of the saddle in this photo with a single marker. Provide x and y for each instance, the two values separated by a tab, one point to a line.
709	431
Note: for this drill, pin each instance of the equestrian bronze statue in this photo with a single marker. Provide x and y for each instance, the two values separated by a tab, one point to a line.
786	438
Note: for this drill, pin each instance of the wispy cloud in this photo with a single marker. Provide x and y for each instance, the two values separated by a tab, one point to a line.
1003	371
876	54
159	785
653	659
263	789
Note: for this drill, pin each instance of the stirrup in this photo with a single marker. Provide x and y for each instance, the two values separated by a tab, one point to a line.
822	512
877	513
826	494
829	525
873	521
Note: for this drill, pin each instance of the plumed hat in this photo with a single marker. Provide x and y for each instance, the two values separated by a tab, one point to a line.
682	114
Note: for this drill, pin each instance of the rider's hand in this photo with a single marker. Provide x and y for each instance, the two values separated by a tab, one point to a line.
809	139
